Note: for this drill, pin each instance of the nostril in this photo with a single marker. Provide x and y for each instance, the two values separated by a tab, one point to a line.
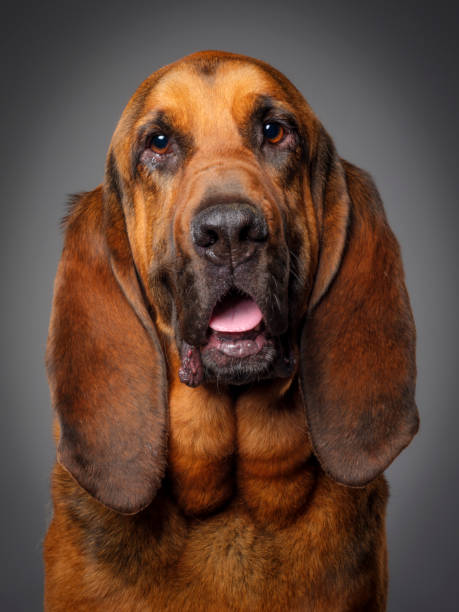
210	238
255	232
252	233
244	233
205	237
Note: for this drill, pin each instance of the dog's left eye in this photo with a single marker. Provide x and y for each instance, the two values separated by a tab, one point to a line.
273	132
159	143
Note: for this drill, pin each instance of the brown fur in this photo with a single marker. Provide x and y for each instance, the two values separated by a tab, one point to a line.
171	498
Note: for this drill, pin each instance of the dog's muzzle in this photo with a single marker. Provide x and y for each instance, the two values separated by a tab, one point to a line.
238	347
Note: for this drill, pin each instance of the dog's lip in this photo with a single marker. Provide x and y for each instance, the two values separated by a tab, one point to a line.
238	346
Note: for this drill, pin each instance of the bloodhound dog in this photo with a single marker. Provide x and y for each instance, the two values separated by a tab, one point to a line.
231	360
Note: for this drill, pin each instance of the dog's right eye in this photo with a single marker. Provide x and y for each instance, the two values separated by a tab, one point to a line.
159	143
273	132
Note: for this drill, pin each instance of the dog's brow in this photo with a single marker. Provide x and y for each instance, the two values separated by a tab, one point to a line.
265	105
158	119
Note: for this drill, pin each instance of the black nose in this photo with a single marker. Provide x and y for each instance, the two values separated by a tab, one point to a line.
229	234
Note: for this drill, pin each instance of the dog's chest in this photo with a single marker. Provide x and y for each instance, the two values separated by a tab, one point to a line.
245	520
233	558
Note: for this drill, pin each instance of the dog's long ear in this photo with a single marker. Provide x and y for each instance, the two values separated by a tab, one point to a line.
105	366
358	343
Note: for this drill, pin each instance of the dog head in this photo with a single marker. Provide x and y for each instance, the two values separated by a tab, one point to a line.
229	231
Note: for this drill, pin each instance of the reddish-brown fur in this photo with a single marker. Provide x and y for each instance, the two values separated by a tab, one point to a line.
172	498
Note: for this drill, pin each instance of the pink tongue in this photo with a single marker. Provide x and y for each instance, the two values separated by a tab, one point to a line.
235	314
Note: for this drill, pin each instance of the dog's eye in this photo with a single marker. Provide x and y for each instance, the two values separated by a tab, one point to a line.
159	143
273	132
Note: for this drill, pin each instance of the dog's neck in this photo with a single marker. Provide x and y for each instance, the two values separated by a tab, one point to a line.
249	446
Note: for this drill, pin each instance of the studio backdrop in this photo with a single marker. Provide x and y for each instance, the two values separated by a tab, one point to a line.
382	77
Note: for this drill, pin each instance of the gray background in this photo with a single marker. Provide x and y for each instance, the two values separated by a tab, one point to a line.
382	76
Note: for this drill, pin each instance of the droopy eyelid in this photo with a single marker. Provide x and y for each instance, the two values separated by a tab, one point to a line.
159	122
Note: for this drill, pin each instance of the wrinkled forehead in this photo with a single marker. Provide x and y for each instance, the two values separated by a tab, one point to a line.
193	97
229	93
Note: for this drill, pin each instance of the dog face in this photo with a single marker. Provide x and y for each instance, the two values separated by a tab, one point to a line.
212	162
230	235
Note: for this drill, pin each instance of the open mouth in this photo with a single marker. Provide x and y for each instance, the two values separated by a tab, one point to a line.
238	347
236	327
